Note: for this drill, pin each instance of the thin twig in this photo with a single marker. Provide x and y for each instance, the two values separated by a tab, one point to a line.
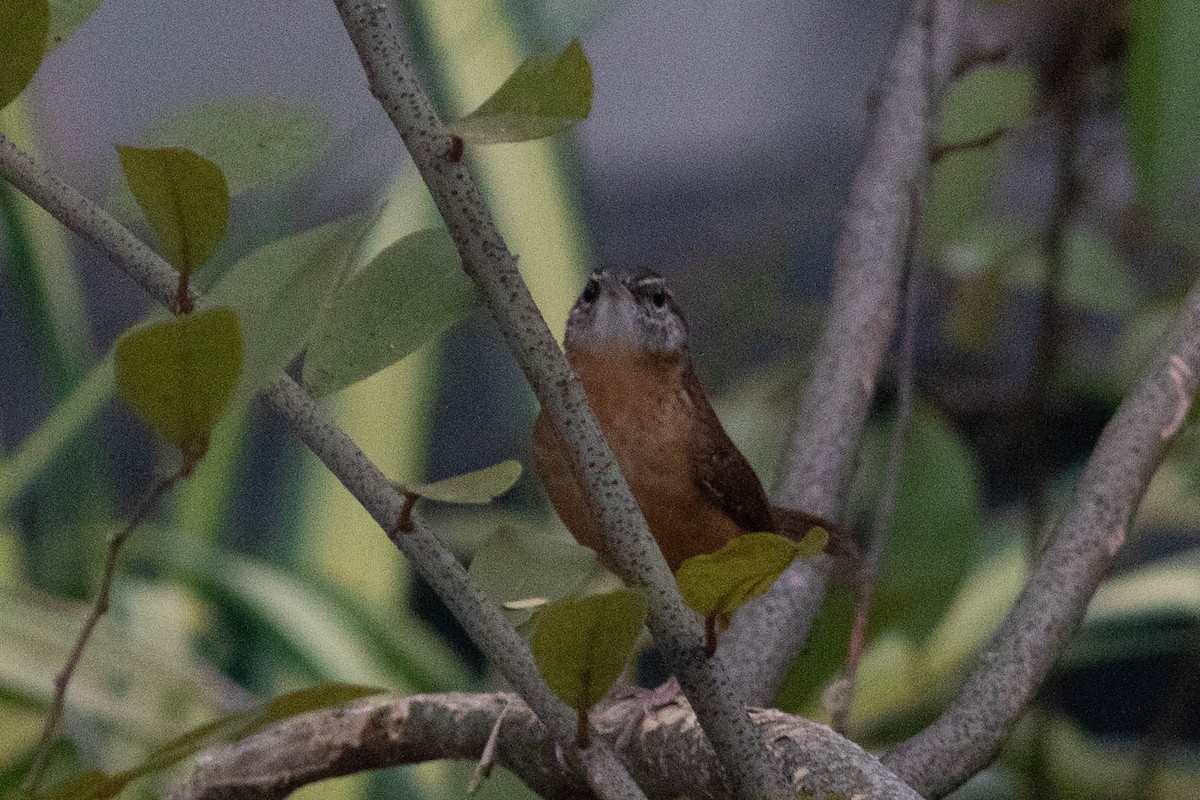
939	152
891	478
767	633
41	759
815	759
484	623
1018	657
394	80
483	770
1049	332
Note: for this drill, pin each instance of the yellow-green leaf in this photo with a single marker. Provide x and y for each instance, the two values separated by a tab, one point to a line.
473	488
185	200
409	293
23	28
720	583
178	375
581	646
547	94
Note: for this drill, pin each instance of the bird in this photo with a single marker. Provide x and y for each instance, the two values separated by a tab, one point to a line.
627	341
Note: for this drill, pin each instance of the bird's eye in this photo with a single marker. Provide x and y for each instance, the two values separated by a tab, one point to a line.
591	291
659	298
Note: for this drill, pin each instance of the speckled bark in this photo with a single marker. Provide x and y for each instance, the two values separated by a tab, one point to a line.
1051	606
768	633
677	630
663	745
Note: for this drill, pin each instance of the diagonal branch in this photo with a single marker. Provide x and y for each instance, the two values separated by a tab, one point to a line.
1049	609
666	751
870	261
394	81
310	422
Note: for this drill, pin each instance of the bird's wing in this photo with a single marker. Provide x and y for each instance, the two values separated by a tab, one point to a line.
719	469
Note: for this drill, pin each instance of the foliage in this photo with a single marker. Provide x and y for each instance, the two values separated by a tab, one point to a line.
546	95
582	645
23	27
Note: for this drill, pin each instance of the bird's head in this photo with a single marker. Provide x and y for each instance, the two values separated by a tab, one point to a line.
627	310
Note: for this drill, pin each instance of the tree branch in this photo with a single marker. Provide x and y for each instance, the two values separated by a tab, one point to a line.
1050	607
665	749
768	633
888	490
482	620
394	81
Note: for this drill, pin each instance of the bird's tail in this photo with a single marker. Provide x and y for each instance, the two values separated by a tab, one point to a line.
795	524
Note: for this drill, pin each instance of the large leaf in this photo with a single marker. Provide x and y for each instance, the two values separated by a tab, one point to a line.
547	94
178	375
472	488
185	200
929	550
279	291
65	17
409	293
985	100
718	584
98	785
23	28
982	102
516	564
1163	116
581	646
935	528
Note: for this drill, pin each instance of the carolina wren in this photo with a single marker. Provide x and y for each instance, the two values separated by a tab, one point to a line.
627	341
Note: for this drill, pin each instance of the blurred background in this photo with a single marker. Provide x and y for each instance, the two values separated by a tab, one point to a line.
1057	244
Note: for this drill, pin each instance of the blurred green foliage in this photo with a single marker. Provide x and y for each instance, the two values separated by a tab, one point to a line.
229	599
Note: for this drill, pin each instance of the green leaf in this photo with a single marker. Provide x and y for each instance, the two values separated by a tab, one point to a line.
65	17
985	100
517	564
279	291
23	28
718	584
178	375
935	528
1162	113
546	95
409	293
97	785
255	142
473	488
185	200
581	646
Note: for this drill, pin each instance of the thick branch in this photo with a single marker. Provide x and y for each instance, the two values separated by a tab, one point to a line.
862	316
665	749
1046	615
482	620
394	81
